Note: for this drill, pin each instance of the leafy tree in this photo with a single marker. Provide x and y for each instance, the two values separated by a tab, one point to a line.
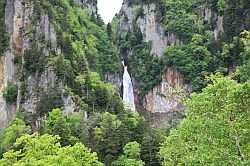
193	61
131	156
109	30
113	132
56	124
10	93
16	129
245	68
46	150
100	96
216	130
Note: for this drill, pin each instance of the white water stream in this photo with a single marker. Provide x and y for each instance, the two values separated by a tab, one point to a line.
128	92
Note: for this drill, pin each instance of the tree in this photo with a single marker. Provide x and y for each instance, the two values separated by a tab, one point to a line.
150	146
46	150
113	132
16	129
109	30
108	142
56	124
10	93
192	60
216	130
131	155
245	68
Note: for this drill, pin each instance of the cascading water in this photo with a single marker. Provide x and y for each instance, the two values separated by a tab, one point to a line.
128	92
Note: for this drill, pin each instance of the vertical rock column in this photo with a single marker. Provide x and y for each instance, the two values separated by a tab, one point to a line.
14	23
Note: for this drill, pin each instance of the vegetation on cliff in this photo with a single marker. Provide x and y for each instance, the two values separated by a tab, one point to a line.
215	130
205	47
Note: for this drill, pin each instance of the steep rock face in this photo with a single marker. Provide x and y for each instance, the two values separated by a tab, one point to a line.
3	84
18	19
39	85
89	4
150	28
13	21
153	30
161	98
165	97
163	101
208	15
155	100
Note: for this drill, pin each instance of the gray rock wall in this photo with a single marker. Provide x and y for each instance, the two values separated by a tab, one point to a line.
18	19
14	23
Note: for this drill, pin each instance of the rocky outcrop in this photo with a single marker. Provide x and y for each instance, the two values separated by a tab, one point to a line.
153	30
14	23
165	97
87	4
163	101
219	27
18	20
208	15
35	84
156	101
115	79
150	28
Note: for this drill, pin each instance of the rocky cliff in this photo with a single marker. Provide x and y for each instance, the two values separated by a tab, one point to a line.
14	23
144	17
31	33
160	98
53	46
151	29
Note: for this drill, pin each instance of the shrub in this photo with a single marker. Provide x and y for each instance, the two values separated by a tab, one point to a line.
10	93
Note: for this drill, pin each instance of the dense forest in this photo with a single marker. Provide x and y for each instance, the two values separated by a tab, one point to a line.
63	53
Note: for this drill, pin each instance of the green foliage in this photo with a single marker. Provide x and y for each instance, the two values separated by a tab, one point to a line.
10	93
131	156
180	18
56	124
216	130
192	60
184	19
46	150
143	66
34	60
79	127
80	39
108	142
132	150
236	17
114	132
245	68
16	129
4	37
114	27
83	45
48	101
150	146
139	12
100	97
137	2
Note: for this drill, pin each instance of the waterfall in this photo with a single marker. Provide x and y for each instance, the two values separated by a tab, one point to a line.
128	92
